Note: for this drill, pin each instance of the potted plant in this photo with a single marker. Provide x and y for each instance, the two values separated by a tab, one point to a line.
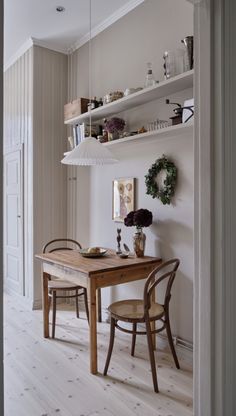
114	126
139	218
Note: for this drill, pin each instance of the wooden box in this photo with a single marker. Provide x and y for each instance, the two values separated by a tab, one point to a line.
75	108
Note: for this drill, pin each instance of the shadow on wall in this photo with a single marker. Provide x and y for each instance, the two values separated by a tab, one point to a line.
181	306
173	238
169	233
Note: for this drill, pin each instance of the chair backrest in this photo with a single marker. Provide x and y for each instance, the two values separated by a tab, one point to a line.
166	270
67	244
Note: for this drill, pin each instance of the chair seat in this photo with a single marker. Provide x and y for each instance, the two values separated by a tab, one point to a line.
59	284
133	309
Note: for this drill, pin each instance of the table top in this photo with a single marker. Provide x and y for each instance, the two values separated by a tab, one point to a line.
72	259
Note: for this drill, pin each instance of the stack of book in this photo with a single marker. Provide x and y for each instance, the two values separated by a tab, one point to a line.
80	131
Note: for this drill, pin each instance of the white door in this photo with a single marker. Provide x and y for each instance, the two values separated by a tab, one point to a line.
13	222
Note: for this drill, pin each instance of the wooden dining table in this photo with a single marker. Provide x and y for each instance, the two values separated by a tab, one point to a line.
93	274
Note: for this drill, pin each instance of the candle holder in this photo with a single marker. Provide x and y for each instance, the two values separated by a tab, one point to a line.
118	239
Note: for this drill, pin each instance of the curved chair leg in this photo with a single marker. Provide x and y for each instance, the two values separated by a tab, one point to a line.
111	343
77	302
54	308
133	339
86	304
151	356
170	340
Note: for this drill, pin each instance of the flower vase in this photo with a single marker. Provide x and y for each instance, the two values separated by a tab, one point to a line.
113	136
139	239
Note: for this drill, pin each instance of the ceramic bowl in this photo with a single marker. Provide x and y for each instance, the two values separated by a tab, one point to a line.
87	252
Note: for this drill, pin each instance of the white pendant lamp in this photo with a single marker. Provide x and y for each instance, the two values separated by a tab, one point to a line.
89	152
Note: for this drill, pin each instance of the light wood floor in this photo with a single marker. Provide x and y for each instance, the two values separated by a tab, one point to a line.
49	377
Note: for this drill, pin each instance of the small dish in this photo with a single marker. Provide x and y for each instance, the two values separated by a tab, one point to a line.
93	252
124	255
129	91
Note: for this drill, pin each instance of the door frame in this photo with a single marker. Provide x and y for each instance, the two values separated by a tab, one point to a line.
1	211
215	207
16	148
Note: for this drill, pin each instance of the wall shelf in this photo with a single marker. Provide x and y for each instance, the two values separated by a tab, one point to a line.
163	89
171	131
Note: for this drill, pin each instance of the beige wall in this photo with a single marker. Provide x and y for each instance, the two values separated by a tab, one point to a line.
119	57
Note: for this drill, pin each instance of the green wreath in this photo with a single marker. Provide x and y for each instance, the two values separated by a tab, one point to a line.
167	191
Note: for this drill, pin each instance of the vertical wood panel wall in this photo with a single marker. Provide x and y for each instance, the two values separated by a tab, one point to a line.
17	100
78	191
35	91
49	132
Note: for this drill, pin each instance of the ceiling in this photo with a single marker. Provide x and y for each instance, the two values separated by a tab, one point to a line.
25	19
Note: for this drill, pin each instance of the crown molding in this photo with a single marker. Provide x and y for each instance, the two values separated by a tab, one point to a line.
195	1
105	24
27	45
48	45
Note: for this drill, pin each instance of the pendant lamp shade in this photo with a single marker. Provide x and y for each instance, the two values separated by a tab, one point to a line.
89	152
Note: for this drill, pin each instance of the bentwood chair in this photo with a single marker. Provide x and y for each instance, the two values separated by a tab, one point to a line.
63	289
138	311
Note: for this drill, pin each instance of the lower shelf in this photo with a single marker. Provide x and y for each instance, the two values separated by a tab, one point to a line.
171	131
177	130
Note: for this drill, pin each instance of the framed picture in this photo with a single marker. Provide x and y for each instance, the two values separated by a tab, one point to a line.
122	198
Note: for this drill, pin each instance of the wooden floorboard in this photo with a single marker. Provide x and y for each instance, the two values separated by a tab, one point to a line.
45	377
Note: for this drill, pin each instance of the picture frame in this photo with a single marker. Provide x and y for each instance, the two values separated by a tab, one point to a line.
123	198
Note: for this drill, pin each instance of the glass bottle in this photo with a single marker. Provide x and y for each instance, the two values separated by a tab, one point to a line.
149	77
100	102
94	103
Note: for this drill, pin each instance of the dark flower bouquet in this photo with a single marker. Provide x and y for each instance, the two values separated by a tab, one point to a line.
140	218
114	124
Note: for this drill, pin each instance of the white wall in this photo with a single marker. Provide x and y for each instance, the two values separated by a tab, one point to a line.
119	57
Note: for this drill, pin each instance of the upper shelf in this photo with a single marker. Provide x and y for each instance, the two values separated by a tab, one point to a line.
163	89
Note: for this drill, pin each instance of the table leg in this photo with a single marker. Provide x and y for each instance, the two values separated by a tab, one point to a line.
45	300
93	325
99	305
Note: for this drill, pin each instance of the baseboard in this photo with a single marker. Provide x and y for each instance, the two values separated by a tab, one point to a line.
179	342
37	304
23	300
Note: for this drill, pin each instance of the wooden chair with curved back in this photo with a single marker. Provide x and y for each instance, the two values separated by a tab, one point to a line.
137	311
57	286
